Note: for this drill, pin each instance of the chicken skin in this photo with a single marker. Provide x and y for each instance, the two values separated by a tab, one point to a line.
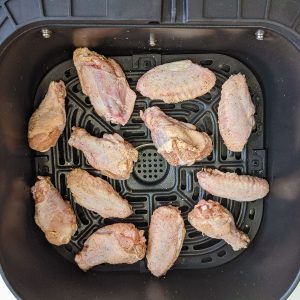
166	236
232	186
48	121
178	142
53	215
215	221
97	195
113	244
103	80
236	113
176	81
111	155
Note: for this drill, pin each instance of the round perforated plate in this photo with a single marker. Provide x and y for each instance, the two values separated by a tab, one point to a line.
151	166
153	182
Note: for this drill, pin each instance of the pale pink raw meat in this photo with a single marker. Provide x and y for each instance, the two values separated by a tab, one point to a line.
176	81
97	195
103	80
53	215
215	221
110	154
236	113
166	236
113	244
178	142
48	121
232	186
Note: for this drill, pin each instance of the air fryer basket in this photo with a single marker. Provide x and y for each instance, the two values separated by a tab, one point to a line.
269	268
154	182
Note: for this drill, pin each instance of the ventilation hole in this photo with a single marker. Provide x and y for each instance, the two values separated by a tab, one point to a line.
81	215
150	176
221	253
141	211
190	106
144	165
182	119
195	195
61	151
118	186
127	134
224	68
166	198
155	154
108	221
206	97
206	260
63	186
136	199
165	106
136	120
68	73
144	171
206	62
144	154
238	155
161	170
161	165
150	171
183	180
139	171
155	165
194	234
207	244
184	209
210	157
155	176
76	88
223	152
251	213
75	156
87	100
238	171
184	248
246	229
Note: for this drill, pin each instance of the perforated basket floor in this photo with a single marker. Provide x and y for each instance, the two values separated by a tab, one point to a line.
154	182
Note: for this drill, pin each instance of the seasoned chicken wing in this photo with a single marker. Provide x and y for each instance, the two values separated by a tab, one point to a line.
232	186
111	155
178	142
52	214
113	244
166	235
103	80
215	221
235	113
97	195
48	121
176	81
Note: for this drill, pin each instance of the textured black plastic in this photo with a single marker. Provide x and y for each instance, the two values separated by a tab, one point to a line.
154	182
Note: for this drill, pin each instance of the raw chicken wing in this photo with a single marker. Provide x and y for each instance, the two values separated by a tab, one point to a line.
49	120
166	235
52	214
111	155
235	113
178	142
232	186
113	244
176	81
103	80
215	221
97	195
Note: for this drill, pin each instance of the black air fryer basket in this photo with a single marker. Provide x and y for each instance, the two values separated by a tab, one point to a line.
260	39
